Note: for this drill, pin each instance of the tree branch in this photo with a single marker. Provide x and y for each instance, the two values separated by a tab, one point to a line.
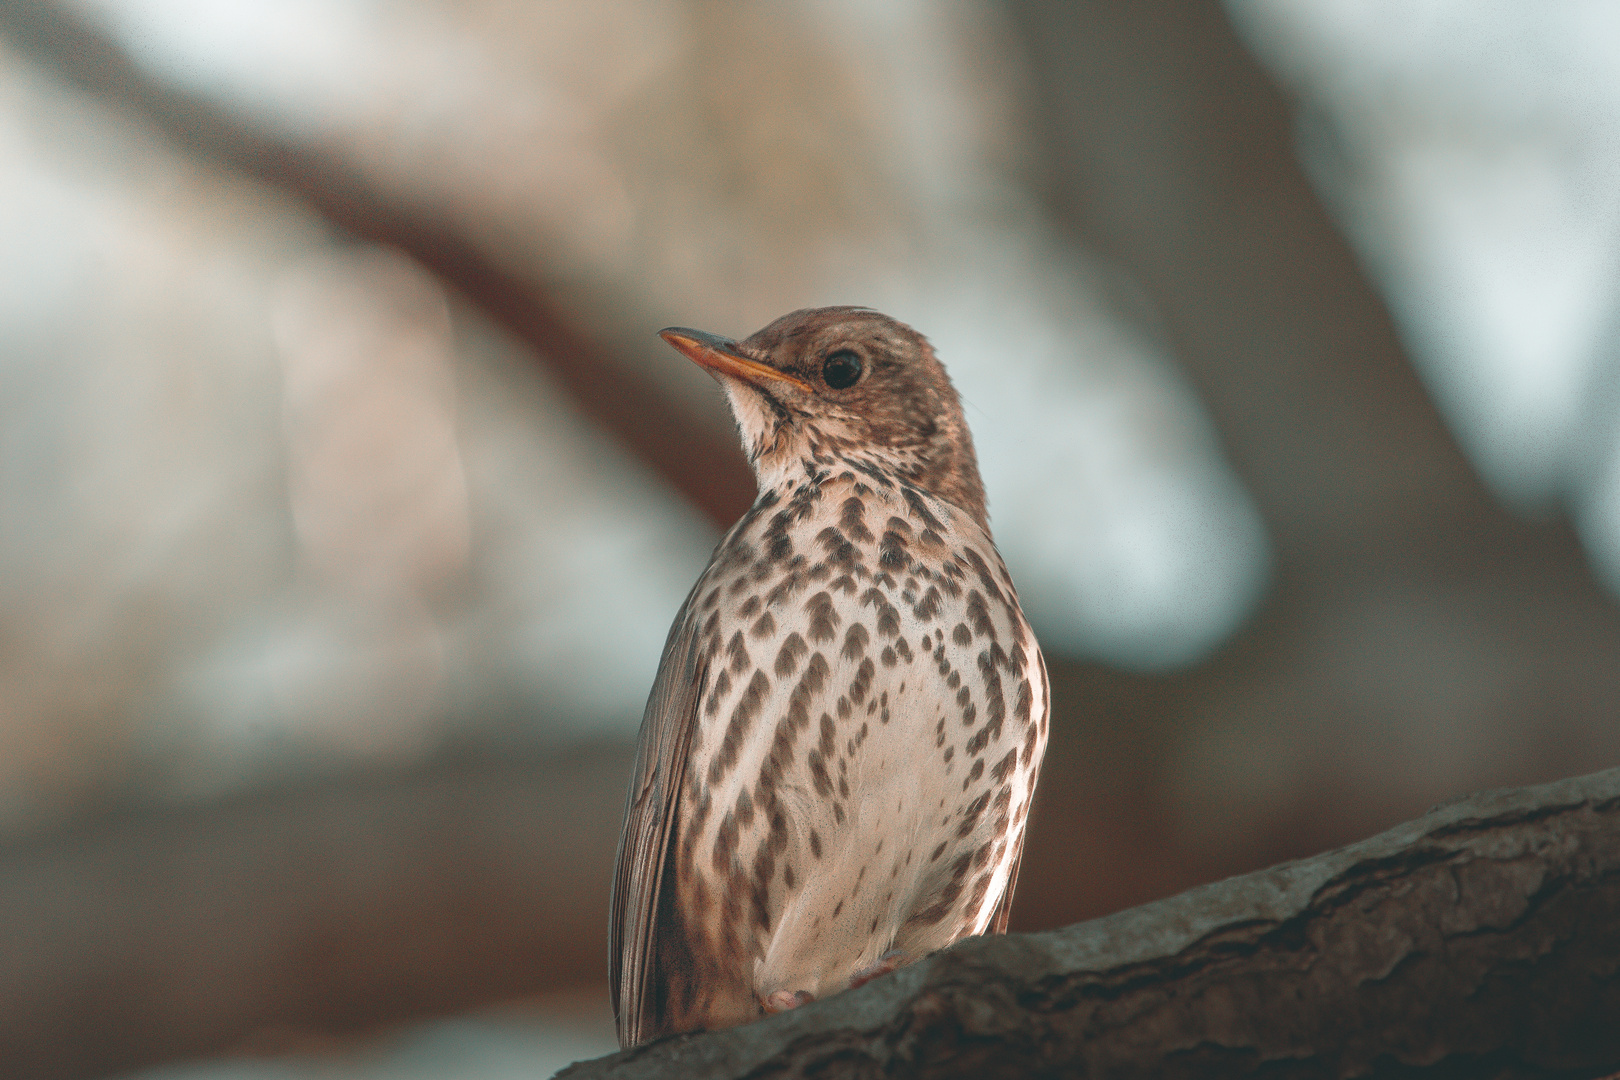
1482	939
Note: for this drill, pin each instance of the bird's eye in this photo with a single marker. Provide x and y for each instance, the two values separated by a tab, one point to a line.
842	370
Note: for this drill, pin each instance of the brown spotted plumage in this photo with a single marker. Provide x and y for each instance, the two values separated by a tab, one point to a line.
838	756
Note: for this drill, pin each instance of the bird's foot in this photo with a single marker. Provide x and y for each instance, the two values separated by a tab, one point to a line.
783	1000
888	962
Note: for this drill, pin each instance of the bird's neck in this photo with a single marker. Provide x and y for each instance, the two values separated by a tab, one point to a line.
781	476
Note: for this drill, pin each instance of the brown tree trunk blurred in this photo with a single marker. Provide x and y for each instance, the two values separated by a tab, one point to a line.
1482	939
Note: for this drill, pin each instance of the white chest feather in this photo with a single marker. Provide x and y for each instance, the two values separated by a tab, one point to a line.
870	728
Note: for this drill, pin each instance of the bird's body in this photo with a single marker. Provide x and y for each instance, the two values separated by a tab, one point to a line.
841	746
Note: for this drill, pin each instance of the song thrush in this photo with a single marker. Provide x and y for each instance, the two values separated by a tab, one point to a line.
839	752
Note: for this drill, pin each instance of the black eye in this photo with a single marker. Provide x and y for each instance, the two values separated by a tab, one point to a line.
842	370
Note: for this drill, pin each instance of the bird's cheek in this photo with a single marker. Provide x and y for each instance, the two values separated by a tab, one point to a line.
753	413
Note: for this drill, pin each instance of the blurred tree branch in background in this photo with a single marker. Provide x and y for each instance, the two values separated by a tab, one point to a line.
1482	939
336	906
699	461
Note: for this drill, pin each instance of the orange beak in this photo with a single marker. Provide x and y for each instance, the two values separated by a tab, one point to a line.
721	355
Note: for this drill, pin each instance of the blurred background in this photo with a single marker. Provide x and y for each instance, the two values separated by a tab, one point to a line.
346	494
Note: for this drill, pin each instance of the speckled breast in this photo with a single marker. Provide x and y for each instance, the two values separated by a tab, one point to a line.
872	718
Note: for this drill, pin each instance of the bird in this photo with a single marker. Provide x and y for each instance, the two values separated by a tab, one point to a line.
838	755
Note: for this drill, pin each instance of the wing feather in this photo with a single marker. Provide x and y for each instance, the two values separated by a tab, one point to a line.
650	812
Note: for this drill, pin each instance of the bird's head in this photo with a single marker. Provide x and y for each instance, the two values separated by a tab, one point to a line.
824	384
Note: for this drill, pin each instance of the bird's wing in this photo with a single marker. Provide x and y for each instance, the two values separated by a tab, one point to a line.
655	789
998	921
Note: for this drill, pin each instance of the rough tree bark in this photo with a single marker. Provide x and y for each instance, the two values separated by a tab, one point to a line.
1482	939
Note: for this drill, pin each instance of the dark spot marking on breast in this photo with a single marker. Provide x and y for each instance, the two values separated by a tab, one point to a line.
764	626
809	685
962	635
778	547
981	885
742	719
829	742
872	472
855	640
863	681
970	816
938	851
903	649
1029	745
950	752
973	774
737	552
1004	766
888	622
982	569
840	552
823	617
920	510
928	607
789	655
818	773
888	656
1023	703
842	583
710	600
995	706
815	674
892	553
738	653
853	519
785	589
776	762
979	612
725	844
749	607
759	891
717	693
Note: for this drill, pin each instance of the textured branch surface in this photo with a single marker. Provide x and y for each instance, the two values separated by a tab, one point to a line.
1482	939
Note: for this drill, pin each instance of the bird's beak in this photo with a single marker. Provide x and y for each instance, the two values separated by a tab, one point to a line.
722	355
